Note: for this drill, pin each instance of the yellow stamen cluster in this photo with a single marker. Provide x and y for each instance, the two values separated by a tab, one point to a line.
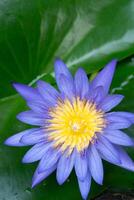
74	124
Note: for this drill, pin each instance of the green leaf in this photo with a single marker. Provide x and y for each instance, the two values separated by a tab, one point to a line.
83	33
88	33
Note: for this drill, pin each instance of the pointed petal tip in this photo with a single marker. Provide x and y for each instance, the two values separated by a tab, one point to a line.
112	63
84	197
80	69
115	60
84	186
7	142
58	61
105	76
60	182
11	141
15	140
16	85
59	179
121	96
33	185
25	159
110	66
20	117
100	182
61	68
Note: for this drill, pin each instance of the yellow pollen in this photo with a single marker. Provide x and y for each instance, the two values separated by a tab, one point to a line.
74	124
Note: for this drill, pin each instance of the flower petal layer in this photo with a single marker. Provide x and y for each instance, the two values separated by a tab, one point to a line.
36	152
81	166
85	186
81	83
126	161
110	102
104	78
95	165
67	87
64	167
38	177
15	140
49	93
118	137
48	160
61	68
128	115
97	95
30	117
33	137
107	150
27	92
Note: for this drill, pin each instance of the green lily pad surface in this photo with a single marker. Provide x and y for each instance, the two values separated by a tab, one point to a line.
85	33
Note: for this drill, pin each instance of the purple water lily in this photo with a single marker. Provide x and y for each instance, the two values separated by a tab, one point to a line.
75	127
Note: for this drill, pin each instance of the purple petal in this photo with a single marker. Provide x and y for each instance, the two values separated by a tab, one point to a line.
129	116
84	186
104	78
118	137
64	167
38	177
95	165
110	102
36	136
38	107
107	150
126	161
112	117
29	117
117	122
49	93
15	140
81	83
97	95
49	159
81	165
28	93
118	125
61	68
36	152
67	87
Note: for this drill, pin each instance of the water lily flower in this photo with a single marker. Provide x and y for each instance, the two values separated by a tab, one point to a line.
74	127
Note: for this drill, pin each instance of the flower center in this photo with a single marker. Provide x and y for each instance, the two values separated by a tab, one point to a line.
74	124
75	127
